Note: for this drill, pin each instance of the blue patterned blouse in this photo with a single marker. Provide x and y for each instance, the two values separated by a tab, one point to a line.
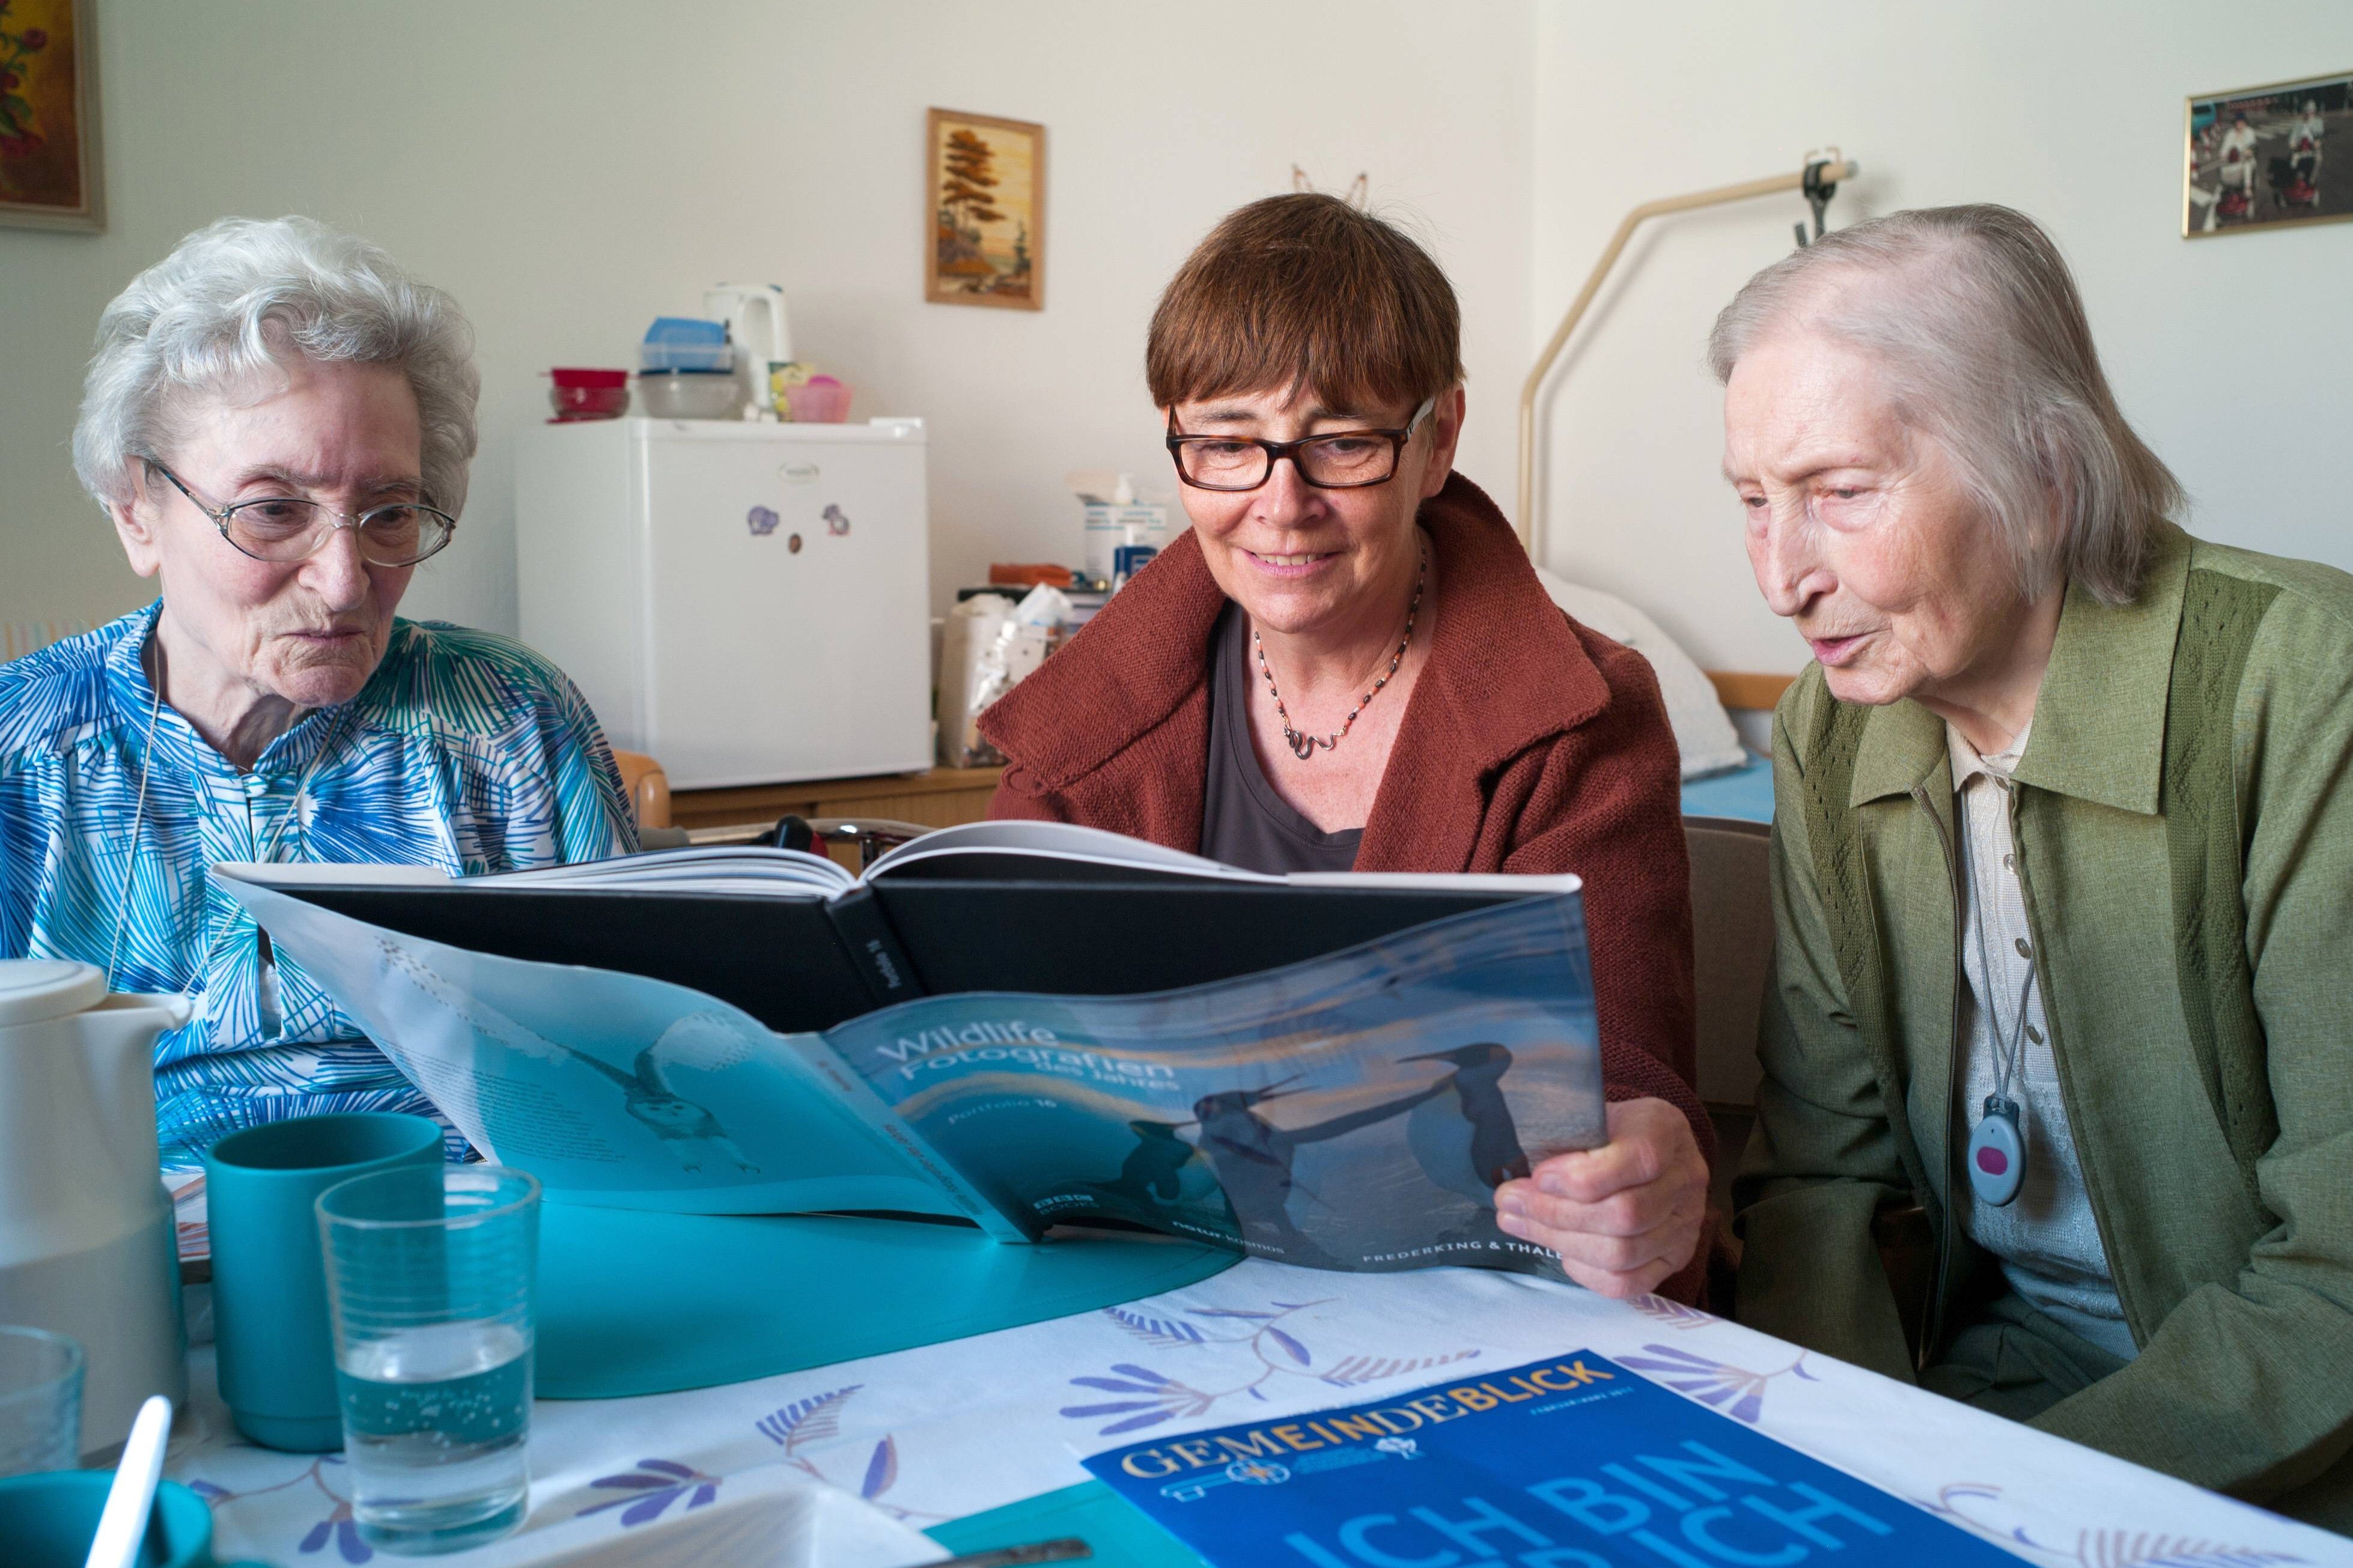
465	750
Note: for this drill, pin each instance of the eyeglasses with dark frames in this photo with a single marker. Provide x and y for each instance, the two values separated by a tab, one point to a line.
291	528
1342	460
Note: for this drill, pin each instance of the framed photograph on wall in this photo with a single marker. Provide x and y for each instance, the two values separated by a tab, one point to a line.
984	207
2264	156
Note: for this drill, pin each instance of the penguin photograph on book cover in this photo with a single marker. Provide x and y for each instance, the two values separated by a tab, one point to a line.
1379	1147
1458	1130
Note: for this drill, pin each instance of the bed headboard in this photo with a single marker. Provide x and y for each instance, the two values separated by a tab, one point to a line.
1748	688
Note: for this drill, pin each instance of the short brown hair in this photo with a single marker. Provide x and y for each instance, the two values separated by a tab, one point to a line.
1306	291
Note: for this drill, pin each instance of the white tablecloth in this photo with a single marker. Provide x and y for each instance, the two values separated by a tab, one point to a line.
952	1429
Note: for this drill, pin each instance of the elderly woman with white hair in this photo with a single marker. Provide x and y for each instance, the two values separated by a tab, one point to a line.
2063	843
279	422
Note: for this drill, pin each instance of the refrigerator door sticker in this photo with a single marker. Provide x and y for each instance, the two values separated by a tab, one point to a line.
761	521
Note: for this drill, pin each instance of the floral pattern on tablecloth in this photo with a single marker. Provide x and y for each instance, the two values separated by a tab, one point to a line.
1147	1398
951	1429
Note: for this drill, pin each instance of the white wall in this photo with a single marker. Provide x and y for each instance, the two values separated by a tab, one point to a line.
571	168
2232	355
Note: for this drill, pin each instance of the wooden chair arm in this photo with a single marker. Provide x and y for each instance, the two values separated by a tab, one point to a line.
648	787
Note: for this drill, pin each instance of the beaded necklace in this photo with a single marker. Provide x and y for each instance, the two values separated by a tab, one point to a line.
1304	746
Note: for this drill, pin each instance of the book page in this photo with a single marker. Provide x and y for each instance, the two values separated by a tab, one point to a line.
979	849
734	868
1054	841
731	869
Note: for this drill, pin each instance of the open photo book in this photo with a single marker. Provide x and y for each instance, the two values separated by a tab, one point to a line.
1014	1025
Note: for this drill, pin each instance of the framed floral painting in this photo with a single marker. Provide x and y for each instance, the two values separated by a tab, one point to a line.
984	207
50	174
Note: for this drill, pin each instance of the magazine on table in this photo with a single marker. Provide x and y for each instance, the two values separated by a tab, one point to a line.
1575	1461
1352	1108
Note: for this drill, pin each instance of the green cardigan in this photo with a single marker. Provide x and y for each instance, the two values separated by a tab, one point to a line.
2234	1265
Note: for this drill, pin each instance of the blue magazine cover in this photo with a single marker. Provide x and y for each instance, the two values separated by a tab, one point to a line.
1569	1462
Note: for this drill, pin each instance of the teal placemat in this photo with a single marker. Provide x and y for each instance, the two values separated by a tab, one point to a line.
1121	1535
1745	793
633	1302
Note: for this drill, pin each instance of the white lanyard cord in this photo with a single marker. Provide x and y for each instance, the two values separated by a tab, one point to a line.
139	818
2010	1057
138	815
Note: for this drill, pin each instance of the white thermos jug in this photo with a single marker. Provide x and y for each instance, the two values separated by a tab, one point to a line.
754	314
86	1243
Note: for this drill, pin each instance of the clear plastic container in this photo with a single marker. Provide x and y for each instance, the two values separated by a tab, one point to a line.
40	1401
689	394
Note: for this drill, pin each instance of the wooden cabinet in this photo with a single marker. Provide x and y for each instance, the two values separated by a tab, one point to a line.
941	797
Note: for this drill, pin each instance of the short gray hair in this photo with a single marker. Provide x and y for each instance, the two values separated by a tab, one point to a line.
1976	324
231	302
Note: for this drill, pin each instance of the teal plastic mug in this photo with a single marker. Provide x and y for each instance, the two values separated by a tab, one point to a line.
48	1520
276	1347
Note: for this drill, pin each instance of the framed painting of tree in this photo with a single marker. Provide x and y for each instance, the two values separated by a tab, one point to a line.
984	210
49	115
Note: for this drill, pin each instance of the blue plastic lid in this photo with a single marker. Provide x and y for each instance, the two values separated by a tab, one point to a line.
686	330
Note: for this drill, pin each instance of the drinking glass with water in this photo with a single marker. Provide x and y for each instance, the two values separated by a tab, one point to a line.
40	1401
430	1272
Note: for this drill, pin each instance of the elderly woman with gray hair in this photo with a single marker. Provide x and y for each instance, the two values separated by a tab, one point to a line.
2063	843
279	422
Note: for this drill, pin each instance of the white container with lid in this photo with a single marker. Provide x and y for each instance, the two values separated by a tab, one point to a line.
87	1242
1120	519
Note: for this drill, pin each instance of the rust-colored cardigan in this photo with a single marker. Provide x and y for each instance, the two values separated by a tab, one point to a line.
1531	744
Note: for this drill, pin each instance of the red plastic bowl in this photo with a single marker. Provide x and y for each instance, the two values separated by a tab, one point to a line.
589	393
589	402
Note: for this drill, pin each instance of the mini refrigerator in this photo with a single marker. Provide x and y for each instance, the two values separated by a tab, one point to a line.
746	603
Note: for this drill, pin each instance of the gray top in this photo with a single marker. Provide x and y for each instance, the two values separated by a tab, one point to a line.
1244	822
2047	1238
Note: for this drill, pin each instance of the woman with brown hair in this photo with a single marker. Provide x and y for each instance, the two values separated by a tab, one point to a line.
1347	663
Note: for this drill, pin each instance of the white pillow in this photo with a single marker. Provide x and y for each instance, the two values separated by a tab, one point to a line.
1704	731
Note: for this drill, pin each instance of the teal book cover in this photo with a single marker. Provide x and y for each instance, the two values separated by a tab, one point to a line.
1571	1462
1355	1110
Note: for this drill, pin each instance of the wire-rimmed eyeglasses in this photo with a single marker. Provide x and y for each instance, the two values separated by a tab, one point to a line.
289	528
1344	459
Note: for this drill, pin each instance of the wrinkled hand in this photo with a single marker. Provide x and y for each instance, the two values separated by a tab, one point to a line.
1623	1216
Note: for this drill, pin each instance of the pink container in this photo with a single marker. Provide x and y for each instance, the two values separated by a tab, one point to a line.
820	400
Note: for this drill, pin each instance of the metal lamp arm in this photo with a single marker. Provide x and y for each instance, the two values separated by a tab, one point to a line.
1815	177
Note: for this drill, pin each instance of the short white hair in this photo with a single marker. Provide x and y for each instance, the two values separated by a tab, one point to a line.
230	304
1974	320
